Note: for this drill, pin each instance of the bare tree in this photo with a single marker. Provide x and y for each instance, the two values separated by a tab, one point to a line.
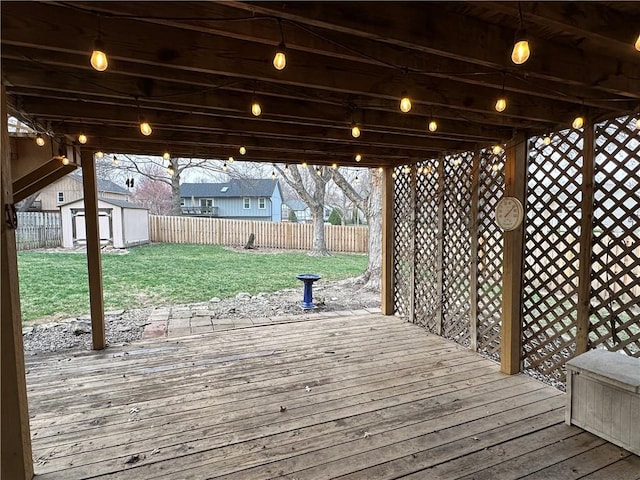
311	193
369	201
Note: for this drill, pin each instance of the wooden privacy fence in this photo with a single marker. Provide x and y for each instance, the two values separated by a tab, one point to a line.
288	236
581	263
38	230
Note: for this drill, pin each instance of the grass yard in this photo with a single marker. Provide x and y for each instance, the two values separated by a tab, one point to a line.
56	284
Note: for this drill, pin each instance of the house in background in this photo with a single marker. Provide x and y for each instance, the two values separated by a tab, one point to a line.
302	211
69	189
247	199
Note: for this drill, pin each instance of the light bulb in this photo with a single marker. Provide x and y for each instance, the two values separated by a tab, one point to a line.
243	150
495	167
405	103
39	140
358	157
546	140
286	167
98	57
224	167
82	138
427	170
407	169
637	45
166	156
231	159
273	174
115	161
256	109
497	149
145	128
456	162
521	49
304	165
170	170
501	104
99	154
65	160
380	169
578	122
433	126
355	131
394	175
280	59
638	124
334	166
357	180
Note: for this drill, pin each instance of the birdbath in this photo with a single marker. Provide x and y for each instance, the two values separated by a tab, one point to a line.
307	297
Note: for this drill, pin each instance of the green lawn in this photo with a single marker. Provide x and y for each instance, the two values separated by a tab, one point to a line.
56	284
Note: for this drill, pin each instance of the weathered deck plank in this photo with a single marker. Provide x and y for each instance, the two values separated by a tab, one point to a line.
385	400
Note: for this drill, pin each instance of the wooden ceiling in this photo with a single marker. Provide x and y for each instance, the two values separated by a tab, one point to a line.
193	68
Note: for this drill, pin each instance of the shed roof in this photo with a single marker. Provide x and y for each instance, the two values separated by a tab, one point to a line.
246	187
104	185
111	201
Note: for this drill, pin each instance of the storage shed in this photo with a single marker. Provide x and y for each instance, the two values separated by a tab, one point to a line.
122	224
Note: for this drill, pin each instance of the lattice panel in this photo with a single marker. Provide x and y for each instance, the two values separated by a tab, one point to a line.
615	285
457	247
490	252
551	252
427	295
403	235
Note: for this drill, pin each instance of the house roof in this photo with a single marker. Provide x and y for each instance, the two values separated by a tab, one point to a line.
246	187
297	205
103	184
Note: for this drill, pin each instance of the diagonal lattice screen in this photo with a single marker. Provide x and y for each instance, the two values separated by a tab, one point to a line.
615	269
427	292
552	247
490	252
403	238
456	249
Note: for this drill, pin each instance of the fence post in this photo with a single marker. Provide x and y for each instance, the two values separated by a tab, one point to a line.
514	186
586	240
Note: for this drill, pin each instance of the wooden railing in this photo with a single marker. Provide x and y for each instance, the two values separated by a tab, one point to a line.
289	236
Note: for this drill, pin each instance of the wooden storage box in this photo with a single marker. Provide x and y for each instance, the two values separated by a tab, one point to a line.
603	396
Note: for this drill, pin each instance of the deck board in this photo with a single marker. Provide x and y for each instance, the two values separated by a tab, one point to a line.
385	399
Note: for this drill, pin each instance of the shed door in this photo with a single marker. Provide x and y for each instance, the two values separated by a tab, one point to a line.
104	222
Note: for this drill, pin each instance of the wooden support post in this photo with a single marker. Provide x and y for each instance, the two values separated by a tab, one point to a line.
586	240
16	462
412	257
387	242
440	249
94	261
515	186
473	267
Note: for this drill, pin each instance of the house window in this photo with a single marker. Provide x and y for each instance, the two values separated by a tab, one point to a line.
60	197
206	202
182	202
262	203
246	203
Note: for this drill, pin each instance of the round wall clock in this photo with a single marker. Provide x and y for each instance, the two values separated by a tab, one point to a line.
509	213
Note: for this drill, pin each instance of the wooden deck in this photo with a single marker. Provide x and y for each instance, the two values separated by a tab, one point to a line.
363	397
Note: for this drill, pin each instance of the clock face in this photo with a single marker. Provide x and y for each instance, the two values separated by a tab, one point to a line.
509	213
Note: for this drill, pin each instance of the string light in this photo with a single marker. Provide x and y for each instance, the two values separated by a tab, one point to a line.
578	122
304	165
231	159
433	126
280	58
638	124
356	180
407	169
166	155
273	174
547	139
319	170
64	160
380	169
224	167
82	138
501	104
99	154
242	150
495	167
286	168
334	166
115	161
358	157
256	109
145	127
497	149
99	59
405	103
637	44
456	161
521	51
39	140
170	170
394	175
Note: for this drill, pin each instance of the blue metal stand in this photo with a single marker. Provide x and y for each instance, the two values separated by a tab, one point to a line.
307	297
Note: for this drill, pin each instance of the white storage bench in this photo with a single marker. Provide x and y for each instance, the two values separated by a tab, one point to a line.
603	396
